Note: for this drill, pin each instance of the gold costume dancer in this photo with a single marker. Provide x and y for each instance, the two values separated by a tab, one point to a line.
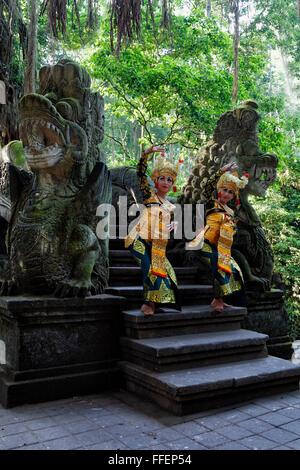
214	241
148	240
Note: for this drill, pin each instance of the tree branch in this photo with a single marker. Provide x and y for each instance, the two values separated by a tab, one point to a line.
143	120
121	143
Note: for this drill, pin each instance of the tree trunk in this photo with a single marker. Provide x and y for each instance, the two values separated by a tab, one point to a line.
136	136
270	73
208	8
236	42
142	136
12	39
29	79
112	129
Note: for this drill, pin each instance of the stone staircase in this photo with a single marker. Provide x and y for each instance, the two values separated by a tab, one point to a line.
196	359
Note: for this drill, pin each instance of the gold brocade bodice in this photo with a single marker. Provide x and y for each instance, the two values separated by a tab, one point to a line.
153	222
215	220
153	227
213	225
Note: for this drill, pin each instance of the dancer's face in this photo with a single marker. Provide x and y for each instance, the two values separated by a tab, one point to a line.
226	194
164	184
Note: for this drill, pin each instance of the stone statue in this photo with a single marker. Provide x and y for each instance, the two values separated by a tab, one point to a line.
51	241
10	153
235	139
125	183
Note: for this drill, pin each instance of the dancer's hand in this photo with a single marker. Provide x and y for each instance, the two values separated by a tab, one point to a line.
229	166
153	149
173	226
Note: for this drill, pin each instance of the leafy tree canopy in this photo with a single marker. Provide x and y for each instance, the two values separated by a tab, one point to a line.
182	81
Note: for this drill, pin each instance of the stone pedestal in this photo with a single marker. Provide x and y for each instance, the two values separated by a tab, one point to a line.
54	348
267	314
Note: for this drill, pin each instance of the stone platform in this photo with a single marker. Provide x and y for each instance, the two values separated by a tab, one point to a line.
54	348
198	359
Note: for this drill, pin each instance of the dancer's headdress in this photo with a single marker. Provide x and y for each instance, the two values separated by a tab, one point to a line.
232	181
163	166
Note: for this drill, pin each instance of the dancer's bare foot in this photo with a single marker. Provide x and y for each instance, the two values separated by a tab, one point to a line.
226	305
148	309
159	310
218	304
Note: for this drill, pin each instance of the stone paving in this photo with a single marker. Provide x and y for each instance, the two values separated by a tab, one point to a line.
121	421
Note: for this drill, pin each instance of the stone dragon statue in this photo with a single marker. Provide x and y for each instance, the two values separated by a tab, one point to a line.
235	139
51	242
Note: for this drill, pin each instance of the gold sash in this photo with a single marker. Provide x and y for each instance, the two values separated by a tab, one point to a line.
225	243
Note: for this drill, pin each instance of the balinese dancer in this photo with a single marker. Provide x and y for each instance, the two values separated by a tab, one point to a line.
214	241
148	240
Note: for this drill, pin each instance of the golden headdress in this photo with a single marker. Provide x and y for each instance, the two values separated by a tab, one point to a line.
163	166
232	181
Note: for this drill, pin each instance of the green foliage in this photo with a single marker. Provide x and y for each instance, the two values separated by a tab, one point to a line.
278	22
173	87
183	86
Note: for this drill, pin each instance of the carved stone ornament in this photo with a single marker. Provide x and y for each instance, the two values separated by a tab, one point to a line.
51	241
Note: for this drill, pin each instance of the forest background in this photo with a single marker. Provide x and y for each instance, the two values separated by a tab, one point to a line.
167	70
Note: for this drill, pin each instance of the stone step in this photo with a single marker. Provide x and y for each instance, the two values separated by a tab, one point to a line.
190	293
116	244
121	258
192	319
132	275
175	352
192	390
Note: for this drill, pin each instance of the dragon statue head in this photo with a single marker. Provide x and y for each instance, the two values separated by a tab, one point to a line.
65	119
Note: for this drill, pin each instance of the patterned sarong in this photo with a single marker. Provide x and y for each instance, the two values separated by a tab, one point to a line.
224	283
158	289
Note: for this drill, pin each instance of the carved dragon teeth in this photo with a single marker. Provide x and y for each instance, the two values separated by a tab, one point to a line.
28	128
41	122
269	176
52	153
268	172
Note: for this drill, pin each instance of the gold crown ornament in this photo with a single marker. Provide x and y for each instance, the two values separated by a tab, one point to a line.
232	181
163	166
